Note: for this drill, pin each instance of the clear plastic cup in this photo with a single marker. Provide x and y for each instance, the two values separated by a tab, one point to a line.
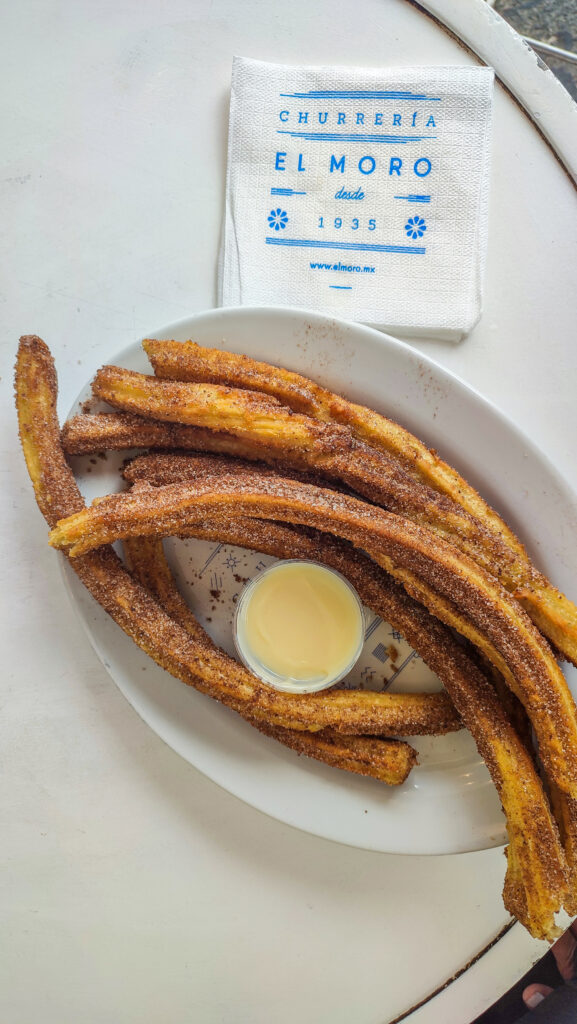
265	672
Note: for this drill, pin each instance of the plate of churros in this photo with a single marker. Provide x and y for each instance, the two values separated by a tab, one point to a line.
223	443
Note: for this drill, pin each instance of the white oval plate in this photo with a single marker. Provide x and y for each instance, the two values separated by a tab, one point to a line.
448	804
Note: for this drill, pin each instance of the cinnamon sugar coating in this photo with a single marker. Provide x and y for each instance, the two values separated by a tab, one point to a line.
410	552
302	443
215	497
536	875
389	761
553	613
142	618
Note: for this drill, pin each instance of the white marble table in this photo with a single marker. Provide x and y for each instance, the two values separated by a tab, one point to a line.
132	888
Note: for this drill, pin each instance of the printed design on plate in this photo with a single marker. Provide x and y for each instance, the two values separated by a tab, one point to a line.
212	576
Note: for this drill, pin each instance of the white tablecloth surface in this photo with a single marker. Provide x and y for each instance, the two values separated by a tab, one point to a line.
132	888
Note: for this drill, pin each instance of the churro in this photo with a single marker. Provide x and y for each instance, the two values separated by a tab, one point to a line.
387	760
552	612
226	499
114	431
535	880
411	553
432	641
299	442
131	606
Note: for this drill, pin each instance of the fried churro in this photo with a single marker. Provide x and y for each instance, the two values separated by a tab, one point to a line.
299	442
411	553
131	606
535	879
114	431
220	498
162	469
57	492
387	760
553	613
435	644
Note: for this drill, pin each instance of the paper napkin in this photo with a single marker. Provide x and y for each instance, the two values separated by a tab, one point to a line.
359	192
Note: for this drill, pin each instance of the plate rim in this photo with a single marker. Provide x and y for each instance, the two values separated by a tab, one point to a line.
377	337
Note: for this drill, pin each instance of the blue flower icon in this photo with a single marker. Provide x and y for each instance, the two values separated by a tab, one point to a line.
415	227
278	218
